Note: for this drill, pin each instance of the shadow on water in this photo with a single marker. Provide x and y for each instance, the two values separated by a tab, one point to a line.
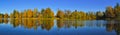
110	26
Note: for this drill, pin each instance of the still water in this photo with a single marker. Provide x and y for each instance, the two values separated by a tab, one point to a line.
58	27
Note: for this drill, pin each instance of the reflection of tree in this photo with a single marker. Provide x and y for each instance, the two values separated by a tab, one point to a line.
14	22
30	23
1	21
113	26
117	28
78	23
60	23
24	23
47	24
69	23
109	26
4	21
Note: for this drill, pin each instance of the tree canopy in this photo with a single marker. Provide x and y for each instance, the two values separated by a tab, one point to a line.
109	13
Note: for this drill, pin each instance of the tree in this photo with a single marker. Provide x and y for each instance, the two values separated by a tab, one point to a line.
48	13
75	15
42	11
11	15
35	13
1	15
20	15
110	12
29	13
6	15
24	15
39	15
117	10
16	14
82	15
92	16
67	14
99	15
60	14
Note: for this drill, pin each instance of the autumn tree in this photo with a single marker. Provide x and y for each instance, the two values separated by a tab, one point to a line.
67	14
16	14
11	15
35	13
6	15
39	15
60	14
92	16
110	12
1	15
42	11
29	13
48	13
24	15
82	15
75	15
20	15
117	10
99	15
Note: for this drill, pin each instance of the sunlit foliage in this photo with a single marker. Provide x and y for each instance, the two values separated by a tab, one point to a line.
47	13
60	14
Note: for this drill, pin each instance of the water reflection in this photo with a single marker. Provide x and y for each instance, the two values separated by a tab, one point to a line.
113	25
110	26
32	23
3	21
69	23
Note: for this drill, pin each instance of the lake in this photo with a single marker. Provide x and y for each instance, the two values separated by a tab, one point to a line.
58	27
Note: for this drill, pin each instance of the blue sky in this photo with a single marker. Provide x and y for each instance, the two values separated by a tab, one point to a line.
7	6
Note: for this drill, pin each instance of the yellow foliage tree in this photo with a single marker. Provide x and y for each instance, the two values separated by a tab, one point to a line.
60	14
29	13
48	13
6	15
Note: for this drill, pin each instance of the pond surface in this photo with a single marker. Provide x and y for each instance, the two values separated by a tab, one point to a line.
58	27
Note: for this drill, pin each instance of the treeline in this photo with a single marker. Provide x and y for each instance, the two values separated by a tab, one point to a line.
109	13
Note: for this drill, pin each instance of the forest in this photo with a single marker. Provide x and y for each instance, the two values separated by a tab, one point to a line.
110	13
